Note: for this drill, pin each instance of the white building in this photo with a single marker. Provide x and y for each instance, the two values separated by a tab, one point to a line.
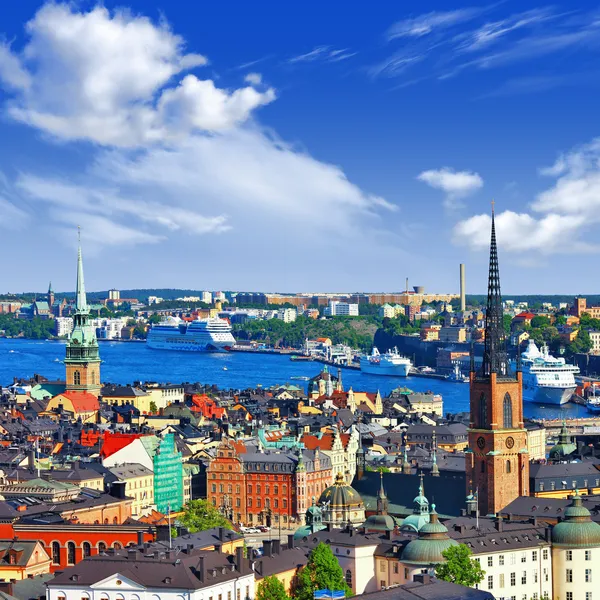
206	297
109	329
341	309
287	315
595	339
155	300
63	326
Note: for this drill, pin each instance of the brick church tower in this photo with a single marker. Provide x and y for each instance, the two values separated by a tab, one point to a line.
82	360
497	460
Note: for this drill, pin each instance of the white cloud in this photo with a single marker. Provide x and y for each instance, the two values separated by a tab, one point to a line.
564	214
426	23
456	184
253	78
322	53
108	78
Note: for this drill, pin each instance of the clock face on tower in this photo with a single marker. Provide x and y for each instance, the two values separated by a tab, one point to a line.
481	443
510	442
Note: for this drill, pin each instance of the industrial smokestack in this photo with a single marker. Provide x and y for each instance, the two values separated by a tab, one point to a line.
463	291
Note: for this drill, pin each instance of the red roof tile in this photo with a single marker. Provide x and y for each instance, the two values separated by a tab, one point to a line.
113	442
82	401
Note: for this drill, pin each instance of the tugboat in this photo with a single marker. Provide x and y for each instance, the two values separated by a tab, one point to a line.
457	376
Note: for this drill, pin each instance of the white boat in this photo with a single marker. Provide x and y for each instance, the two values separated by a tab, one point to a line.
593	400
546	379
201	335
456	376
390	363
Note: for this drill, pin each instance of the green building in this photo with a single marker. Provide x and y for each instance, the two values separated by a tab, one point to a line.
168	476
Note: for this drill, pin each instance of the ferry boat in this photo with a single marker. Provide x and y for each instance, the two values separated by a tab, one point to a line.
593	400
546	379
456	376
201	335
390	363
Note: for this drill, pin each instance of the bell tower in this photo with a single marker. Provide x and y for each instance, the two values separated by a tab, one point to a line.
497	460
82	360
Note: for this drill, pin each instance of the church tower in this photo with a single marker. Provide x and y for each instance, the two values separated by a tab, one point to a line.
497	458
83	358
50	297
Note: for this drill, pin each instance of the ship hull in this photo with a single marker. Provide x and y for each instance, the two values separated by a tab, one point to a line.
389	370
188	345
549	395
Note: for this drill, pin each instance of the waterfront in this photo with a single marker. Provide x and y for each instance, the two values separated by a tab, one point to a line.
127	362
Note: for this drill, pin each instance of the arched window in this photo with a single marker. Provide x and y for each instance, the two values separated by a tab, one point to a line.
71	553
87	549
508	466
77	378
56	553
117	546
482	411
101	546
507	411
349	577
93	378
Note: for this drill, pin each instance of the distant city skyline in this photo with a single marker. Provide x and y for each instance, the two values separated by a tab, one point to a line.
276	151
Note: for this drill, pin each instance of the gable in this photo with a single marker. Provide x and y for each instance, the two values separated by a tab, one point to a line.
112	583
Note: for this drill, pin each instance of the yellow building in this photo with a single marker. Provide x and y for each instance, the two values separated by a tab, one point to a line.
21	559
122	395
82	405
139	486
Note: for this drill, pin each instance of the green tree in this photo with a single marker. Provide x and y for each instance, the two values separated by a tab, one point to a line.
200	515
581	344
540	322
270	588
507	322
459	566
153	408
322	572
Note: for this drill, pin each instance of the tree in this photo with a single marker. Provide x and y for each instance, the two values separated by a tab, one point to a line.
540	322
507	322
459	567
200	515
322	572
270	588
581	344
153	408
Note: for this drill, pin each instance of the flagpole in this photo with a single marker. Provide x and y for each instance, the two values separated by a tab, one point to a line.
169	520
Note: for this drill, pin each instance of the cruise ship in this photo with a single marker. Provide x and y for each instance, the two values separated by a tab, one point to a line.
201	335
546	379
390	363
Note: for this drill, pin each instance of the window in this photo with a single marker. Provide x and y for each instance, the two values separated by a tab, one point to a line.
490	582
396	568
276	492
546	575
569	576
513	579
276	503
490	561
523	557
535	576
76	378
101	546
349	577
524	577
258	488
482	410
569	596
501	560
588	555
284	503
258	503
238	594
229	595
569	554
56	553
249	488
382	584
588	576
237	503
71	553
249	502
507	411
247	591
87	549
545	553
501	580
534	556
588	596
382	566
513	559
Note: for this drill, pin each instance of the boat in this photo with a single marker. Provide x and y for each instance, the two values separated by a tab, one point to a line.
225	369
456	376
546	379
390	363
592	402
200	335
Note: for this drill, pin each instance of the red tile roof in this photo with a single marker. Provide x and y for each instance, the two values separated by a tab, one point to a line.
113	442
525	315
82	401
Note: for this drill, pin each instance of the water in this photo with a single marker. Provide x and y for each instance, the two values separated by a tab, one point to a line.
125	362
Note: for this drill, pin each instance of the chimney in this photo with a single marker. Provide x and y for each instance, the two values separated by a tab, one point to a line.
463	289
221	533
548	534
239	558
266	547
533	521
290	540
423	578
132	554
200	568
117	490
388	534
189	548
140	538
218	548
276	546
500	523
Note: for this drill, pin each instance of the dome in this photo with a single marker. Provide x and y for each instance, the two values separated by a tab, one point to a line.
314	522
577	530
420	516
433	540
340	495
379	523
415	522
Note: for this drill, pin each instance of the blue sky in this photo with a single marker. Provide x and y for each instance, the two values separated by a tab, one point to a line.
315	147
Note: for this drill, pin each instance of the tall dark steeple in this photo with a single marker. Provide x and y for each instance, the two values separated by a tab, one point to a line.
495	359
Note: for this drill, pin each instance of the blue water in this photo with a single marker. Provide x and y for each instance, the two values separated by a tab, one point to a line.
125	362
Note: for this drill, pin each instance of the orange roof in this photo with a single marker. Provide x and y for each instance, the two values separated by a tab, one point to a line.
525	315
240	447
325	442
82	401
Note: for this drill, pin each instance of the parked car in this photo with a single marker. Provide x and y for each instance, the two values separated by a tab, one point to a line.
264	528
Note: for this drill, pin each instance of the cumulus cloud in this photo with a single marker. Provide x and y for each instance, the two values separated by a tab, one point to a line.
562	214
173	154
108	78
455	184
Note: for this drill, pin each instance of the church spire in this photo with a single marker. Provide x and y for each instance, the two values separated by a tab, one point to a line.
80	299
494	355
382	501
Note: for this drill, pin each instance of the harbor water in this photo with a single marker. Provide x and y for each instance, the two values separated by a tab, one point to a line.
126	362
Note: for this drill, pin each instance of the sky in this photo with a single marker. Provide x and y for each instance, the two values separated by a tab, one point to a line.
274	146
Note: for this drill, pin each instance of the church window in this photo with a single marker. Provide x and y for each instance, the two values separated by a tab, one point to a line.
87	549
507	411
71	553
76	378
508	466
482	411
56	553
101	546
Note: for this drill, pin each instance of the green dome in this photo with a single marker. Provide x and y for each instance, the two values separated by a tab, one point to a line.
564	447
577	530
379	523
307	530
415	522
341	495
433	540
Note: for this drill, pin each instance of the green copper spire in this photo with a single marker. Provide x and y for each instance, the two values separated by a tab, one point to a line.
81	300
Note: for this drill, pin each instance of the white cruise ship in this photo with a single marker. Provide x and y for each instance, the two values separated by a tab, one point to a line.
201	335
390	363
546	379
